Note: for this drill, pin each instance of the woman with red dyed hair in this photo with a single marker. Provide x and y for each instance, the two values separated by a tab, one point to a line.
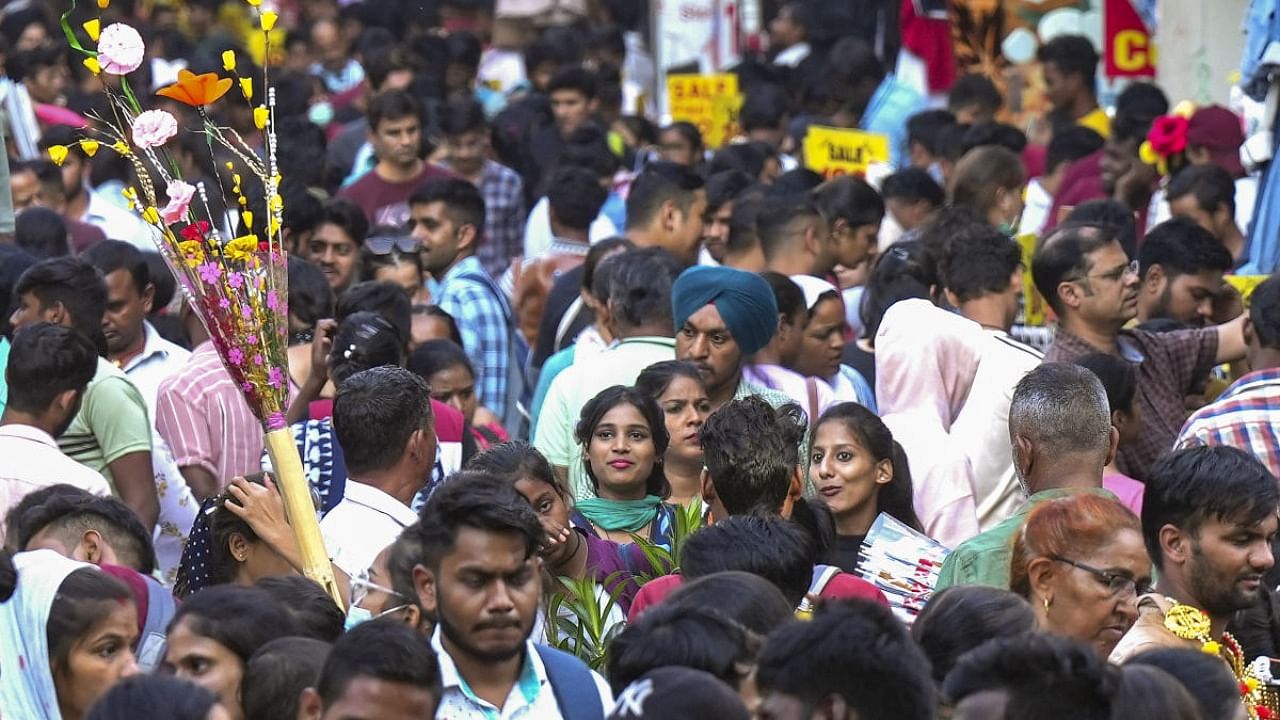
1081	563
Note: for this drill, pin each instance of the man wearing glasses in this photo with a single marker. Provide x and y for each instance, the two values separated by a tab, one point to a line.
1093	288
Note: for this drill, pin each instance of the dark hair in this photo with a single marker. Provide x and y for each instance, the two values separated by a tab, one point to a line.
68	515
1110	214
154	696
383	650
597	407
1264	314
362	341
685	636
905	271
850	199
41	232
1044	676
1073	55
979	260
14	261
751	452
1189	487
383	298
346	215
392	105
458	117
765	108
241	619
463	202
575	197
789	296
779	218
1118	378
1063	256
276	675
913	185
46	360
655	379
926	128
686	130
480	501
660	182
575	78
112	255
974	89
374	414
1212	186
1070	144
857	650
994	134
963	617
980	173
592	265
1181	247
748	158
741	596
310	297
766	545
894	497
1204	676
640	287
76	285
433	356
723	187
315	615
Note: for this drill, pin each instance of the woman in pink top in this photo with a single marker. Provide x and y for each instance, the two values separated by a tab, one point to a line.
1121	383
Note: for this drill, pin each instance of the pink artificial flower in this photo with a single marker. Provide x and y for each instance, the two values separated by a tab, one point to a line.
235	356
154	128
210	272
275	377
120	49
180	194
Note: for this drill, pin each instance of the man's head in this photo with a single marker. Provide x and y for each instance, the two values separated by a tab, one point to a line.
101	531
48	370
382	418
1070	67
1085	276
573	98
480	574
447	215
851	661
793	230
1207	195
1068	145
129	293
64	291
1262	327
1208	520
721	316
665	209
722	189
1032	675
1214	137
575	198
639	301
395	128
380	669
466	135
982	265
853	211
1059	419
752	458
974	99
924	131
1181	265
790	27
335	243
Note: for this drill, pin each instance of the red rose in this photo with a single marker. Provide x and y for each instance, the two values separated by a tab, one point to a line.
1168	135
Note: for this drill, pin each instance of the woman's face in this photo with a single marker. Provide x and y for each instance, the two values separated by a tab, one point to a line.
823	343
98	660
207	663
404	274
1082	606
621	453
552	511
455	386
842	470
685	406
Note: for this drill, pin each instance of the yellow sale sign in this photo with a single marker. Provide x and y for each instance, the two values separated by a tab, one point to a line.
711	102
833	151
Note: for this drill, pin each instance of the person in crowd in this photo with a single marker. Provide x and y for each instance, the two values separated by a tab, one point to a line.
1149	692
1181	266
382	418
990	180
623	437
1020	676
962	618
974	99
860	471
69	630
334	245
381	669
49	368
111	432
1069	145
750	600
795	237
1070	65
1244	415
770	367
1080	563
822	345
388	255
1060	429
447	370
911	197
1208	519
278	673
681	143
982	275
674	693
310	301
1205	677
722	189
869	97
679	390
465	133
850	661
1121	384
157	695
1084	275
479	577
448	217
216	631
1206	194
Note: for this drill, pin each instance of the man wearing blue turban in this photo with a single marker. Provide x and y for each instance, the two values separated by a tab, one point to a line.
721	317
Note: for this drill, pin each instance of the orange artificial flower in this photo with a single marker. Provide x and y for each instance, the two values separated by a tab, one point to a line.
196	90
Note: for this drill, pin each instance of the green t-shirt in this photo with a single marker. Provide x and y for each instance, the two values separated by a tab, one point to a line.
112	422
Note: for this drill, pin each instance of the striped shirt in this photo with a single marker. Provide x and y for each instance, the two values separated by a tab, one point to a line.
1246	416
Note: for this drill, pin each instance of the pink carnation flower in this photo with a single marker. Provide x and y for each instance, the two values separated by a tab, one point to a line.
120	49
154	128
180	194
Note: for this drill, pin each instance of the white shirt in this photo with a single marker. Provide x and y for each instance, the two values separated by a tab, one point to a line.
158	360
30	460
118	224
537	229
531	696
362	525
982	428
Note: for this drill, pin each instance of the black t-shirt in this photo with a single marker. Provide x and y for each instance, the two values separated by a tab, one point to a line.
847	547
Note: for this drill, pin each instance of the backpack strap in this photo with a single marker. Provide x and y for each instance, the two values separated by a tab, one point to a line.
574	687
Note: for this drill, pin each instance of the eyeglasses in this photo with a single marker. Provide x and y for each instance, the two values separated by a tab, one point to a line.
361	585
1118	274
383	244
1118	583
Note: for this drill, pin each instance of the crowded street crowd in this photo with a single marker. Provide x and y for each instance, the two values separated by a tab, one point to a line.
598	416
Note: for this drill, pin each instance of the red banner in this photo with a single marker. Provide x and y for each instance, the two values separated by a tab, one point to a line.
1129	49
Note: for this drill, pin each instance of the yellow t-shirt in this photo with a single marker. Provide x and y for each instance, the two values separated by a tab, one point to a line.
1097	121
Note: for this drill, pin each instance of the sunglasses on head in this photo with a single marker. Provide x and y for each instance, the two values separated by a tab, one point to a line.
383	244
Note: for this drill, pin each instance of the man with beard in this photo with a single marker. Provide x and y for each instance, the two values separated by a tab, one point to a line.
1092	286
1208	519
481	577
1181	265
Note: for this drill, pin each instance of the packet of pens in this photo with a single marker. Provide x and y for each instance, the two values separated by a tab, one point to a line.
903	563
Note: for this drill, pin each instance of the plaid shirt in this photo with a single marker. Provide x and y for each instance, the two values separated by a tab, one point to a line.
1169	366
1247	416
486	333
503	218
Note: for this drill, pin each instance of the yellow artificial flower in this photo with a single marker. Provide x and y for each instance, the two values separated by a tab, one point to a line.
268	20
57	153
229	60
241	248
260	117
93	28
246	88
151	215
94	66
120	147
90	147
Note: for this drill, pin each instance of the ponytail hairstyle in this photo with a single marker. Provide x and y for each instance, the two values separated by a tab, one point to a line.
894	497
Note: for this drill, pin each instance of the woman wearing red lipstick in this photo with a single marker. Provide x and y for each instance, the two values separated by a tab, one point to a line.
624	438
682	395
859	471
